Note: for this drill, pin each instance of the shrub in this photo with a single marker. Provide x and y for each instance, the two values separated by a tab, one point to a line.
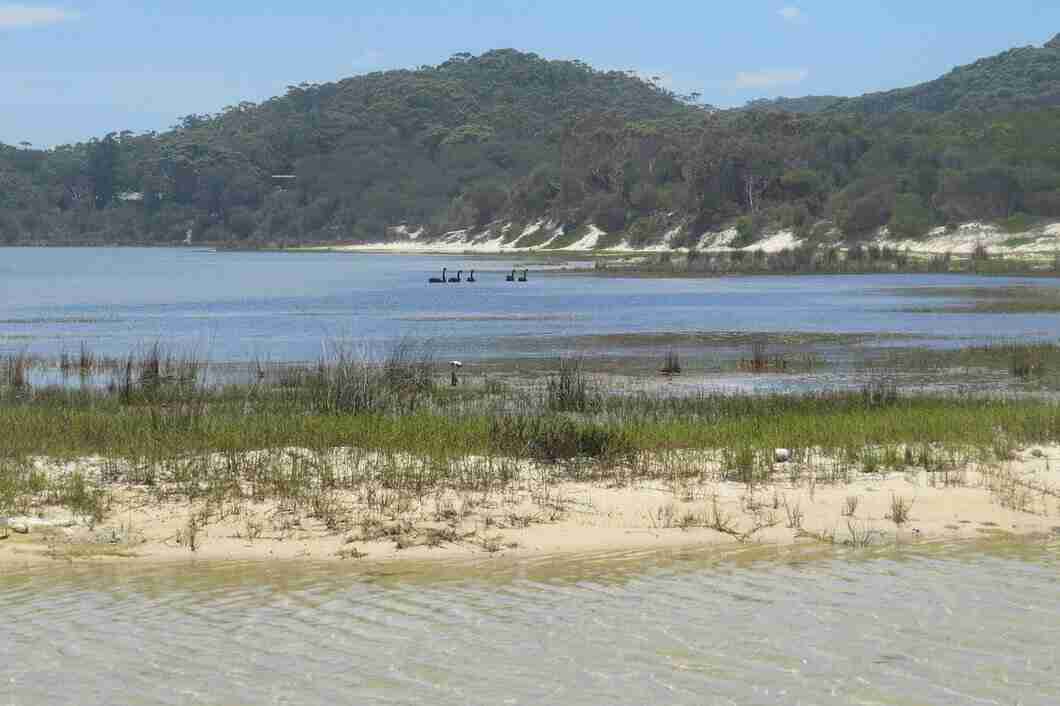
556	438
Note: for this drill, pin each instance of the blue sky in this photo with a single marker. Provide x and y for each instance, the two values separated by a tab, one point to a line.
74	69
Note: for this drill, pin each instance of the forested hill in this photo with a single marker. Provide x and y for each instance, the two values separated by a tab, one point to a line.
427	145
1018	79
512	137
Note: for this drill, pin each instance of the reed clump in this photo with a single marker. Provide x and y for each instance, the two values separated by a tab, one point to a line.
900	509
14	372
671	364
348	384
761	362
1028	361
571	389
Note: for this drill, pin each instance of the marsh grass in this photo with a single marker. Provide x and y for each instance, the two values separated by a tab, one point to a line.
719	520
14	371
900	509
795	515
880	391
760	361
850	505
189	537
1030	361
860	534
571	389
1035	362
385	432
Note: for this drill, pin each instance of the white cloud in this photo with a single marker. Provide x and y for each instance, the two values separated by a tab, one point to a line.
769	78
12	16
792	14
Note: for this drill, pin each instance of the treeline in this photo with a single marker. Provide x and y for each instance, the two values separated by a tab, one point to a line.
512	136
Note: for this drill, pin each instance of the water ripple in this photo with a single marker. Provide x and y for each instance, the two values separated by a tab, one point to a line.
909	628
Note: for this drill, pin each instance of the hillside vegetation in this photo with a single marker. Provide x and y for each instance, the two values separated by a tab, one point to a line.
803	104
512	136
1027	77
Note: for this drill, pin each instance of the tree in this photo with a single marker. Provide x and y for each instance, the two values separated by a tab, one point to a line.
911	218
103	156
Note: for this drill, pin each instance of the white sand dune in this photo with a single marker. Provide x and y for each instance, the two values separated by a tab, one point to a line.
497	239
966	238
588	241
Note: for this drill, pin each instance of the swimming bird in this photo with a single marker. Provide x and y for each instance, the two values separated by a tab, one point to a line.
471	277
511	277
523	277
437	280
459	273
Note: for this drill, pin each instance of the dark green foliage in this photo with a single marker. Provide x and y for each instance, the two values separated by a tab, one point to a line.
910	218
553	439
513	136
803	104
437	146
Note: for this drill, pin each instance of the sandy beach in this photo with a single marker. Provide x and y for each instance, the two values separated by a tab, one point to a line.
1018	498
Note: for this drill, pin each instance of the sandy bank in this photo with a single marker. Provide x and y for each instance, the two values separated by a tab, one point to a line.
1042	242
1037	243
531	518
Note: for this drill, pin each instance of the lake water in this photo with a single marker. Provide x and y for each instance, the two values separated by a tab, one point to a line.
283	307
940	625
932	625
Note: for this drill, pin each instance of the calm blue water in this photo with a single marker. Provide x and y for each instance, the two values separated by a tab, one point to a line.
280	307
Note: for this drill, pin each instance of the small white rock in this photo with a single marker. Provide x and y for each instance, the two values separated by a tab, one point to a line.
782	455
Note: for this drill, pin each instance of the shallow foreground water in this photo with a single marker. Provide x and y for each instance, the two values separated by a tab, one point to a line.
945	624
276	307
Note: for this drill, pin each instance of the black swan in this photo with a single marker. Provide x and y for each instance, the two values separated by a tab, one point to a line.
523	277
459	273
511	277
471	277
438	280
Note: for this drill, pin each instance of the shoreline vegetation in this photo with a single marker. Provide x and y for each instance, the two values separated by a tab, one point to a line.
810	260
354	458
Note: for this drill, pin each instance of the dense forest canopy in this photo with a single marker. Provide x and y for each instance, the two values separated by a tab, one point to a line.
802	104
512	136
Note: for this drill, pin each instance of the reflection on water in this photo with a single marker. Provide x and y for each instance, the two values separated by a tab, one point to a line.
936	625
